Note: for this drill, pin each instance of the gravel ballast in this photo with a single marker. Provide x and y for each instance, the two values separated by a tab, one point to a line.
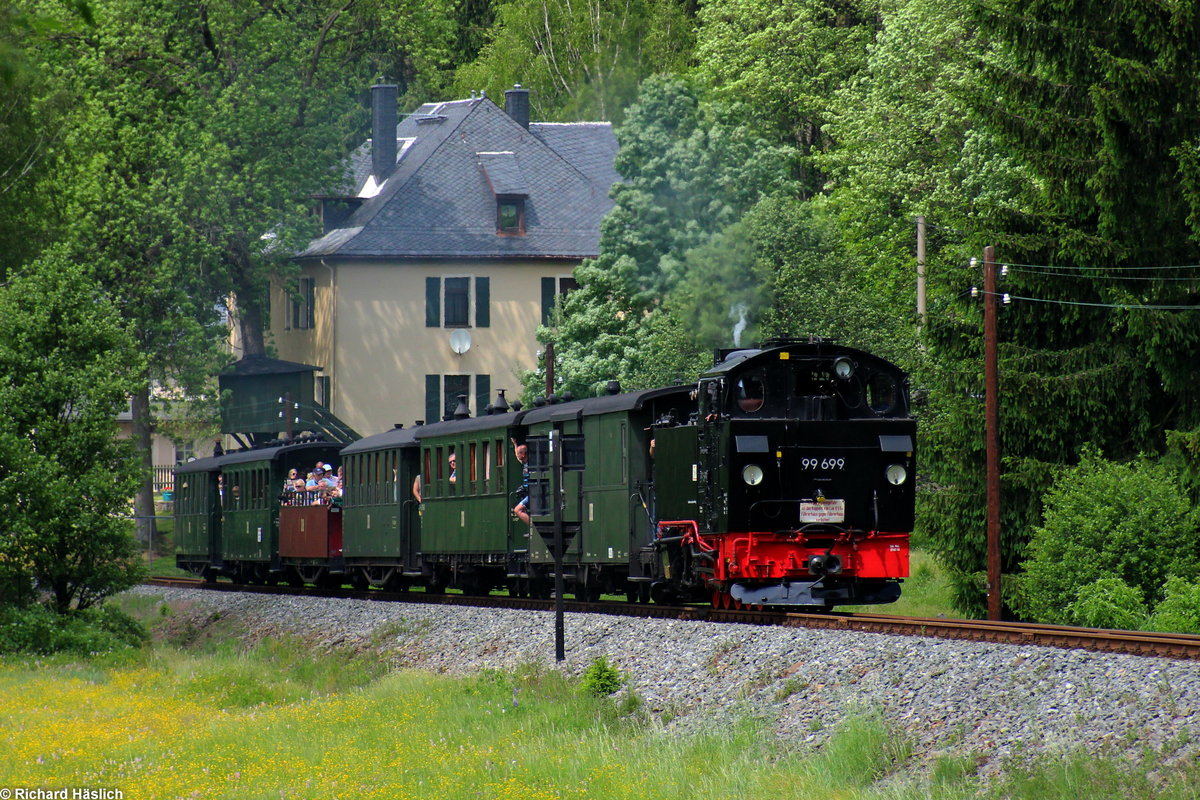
994	701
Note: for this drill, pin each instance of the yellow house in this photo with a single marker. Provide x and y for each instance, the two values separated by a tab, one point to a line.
432	276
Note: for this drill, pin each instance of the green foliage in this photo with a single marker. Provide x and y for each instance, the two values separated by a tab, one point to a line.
1124	522
68	367
1108	603
691	170
1179	610
579	60
786	59
601	678
1083	178
275	672
861	750
40	631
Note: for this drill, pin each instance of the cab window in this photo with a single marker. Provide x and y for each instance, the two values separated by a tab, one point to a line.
750	393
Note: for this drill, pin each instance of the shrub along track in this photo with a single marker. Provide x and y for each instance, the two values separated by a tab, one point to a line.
1161	645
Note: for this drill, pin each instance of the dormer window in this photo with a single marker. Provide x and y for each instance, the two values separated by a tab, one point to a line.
509	187
510	216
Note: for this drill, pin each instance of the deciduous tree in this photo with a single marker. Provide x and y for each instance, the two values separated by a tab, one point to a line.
581	59
67	366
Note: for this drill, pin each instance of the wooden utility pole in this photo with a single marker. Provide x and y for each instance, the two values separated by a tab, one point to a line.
921	309
549	369
991	381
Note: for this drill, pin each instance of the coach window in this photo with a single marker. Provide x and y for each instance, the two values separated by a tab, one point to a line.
258	488
750	393
426	474
473	461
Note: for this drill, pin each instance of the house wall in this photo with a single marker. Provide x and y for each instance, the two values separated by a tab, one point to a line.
370	335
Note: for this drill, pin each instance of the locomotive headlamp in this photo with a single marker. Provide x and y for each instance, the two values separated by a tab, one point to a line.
896	474
752	474
843	368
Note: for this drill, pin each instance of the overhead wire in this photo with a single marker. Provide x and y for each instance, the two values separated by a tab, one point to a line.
1127	306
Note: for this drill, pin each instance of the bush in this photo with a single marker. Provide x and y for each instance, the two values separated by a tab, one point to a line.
601	678
1129	521
1108	603
38	630
1179	611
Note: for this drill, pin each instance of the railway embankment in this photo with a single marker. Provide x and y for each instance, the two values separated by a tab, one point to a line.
997	702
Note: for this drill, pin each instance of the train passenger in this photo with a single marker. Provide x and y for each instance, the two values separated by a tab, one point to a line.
313	483
289	484
453	471
416	490
521	509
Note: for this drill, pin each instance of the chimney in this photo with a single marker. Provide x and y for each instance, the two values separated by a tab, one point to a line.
516	105
383	130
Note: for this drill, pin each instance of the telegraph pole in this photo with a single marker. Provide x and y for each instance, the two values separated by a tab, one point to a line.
921	308
991	380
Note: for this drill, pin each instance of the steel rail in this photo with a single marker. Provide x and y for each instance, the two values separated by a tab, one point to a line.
1139	643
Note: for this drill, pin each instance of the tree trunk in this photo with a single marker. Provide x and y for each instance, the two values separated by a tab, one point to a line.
143	504
250	322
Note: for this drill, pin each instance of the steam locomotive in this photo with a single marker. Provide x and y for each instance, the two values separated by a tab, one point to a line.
784	477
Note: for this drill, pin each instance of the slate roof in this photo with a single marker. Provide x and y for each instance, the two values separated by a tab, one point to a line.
441	200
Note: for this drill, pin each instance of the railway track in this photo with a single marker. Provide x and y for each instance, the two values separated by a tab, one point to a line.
1159	645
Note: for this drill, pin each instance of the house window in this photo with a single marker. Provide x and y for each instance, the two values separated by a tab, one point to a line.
442	391
552	289
323	398
454	385
302	307
457	302
510	215
184	451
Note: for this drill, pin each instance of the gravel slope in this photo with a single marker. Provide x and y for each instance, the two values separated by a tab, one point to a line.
990	700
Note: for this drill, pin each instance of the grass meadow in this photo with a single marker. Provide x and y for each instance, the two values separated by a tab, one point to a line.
208	716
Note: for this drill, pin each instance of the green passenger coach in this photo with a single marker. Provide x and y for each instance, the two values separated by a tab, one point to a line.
379	506
607	497
469	536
